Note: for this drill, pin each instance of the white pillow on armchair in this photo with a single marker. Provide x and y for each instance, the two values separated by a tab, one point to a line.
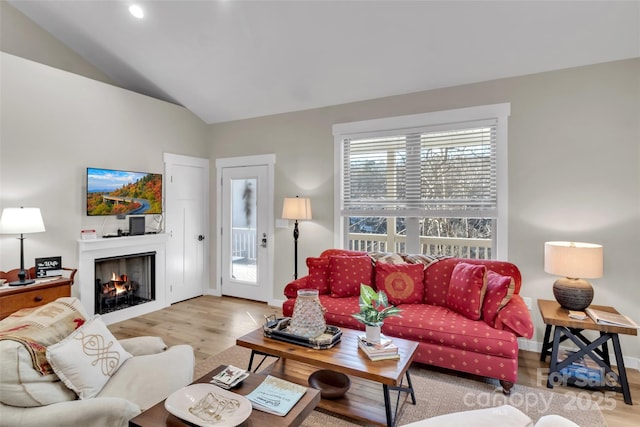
86	359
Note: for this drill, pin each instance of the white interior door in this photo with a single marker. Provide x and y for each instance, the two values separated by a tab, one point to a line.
186	224
245	213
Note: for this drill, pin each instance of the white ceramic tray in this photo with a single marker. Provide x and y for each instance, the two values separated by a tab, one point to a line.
180	402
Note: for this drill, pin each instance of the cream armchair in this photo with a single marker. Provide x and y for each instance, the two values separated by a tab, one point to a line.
30	399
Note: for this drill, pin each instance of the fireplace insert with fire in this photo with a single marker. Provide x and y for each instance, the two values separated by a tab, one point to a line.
124	281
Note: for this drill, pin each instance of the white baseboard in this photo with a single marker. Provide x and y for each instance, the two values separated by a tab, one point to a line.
276	303
214	292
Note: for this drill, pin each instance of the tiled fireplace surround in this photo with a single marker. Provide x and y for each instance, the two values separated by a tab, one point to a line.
90	250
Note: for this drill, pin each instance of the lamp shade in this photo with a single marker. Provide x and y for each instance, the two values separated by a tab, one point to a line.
573	259
298	208
21	221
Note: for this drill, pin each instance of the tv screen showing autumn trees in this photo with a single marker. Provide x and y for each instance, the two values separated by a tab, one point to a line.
114	192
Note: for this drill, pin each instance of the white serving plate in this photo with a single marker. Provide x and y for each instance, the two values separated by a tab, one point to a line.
179	402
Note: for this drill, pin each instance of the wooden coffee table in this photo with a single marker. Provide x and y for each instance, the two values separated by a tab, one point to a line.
158	416
364	400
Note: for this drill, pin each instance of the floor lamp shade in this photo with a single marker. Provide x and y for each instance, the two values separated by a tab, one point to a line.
21	221
575	261
296	208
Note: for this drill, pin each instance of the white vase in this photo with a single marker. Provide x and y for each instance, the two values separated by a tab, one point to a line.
372	333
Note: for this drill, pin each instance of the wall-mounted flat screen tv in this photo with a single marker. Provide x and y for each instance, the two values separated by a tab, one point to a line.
117	192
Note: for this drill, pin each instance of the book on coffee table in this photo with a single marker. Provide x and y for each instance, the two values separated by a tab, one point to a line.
376	352
276	396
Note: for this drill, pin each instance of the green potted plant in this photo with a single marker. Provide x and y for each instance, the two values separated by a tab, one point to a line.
374	308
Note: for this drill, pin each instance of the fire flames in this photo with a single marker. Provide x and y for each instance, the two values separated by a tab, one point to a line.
117	285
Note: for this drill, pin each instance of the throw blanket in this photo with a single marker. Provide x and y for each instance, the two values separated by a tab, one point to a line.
398	258
37	328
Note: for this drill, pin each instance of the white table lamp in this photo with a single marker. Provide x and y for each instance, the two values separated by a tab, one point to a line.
21	221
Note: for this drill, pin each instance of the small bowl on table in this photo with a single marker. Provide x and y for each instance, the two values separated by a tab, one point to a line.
332	384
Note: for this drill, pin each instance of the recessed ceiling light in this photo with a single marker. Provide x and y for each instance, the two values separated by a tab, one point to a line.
136	11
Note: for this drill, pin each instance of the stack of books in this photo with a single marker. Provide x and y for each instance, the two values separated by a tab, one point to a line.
584	369
384	350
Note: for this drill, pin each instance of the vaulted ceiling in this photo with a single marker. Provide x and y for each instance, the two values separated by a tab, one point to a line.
234	59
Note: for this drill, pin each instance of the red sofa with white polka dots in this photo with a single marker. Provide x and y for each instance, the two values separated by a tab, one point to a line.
447	335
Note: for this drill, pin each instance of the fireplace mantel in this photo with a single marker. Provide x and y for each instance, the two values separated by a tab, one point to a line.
92	249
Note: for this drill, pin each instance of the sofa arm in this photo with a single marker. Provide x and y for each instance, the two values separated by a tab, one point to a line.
292	288
146	380
515	317
97	412
139	346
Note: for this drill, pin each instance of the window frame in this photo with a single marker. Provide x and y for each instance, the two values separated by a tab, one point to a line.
415	123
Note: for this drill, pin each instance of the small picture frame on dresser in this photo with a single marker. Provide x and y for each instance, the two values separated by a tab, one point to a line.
48	267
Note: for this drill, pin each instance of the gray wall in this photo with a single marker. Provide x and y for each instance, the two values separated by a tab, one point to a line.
574	170
54	125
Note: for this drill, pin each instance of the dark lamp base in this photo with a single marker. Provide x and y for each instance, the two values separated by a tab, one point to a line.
21	282
573	294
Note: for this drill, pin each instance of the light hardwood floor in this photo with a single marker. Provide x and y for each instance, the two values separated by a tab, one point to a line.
211	324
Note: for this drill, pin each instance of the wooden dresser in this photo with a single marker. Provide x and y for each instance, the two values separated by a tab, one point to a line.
14	298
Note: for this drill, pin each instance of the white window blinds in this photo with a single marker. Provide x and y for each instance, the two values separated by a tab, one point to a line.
444	171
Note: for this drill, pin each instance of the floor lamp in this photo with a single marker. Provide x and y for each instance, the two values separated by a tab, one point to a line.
296	208
21	221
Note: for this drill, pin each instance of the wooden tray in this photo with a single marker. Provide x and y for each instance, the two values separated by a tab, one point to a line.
278	330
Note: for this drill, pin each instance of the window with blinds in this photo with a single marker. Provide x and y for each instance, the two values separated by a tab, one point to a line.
433	183
433	172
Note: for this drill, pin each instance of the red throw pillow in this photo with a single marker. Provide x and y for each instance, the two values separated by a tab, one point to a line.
515	317
500	289
318	274
347	273
466	289
403	283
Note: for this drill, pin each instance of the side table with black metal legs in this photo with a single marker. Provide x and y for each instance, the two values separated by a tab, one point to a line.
565	328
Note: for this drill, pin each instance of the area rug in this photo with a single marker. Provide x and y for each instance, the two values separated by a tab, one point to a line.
440	393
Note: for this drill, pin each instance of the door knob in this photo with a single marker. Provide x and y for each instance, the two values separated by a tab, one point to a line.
200	238
264	240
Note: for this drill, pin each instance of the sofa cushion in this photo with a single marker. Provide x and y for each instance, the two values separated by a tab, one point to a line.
515	317
386	257
87	358
328	253
446	328
318	274
339	311
438	275
502	416
466	289
138	382
346	274
140	346
21	385
403	283
499	291
26	379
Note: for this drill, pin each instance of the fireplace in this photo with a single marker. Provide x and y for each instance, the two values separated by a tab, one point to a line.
124	281
133	263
